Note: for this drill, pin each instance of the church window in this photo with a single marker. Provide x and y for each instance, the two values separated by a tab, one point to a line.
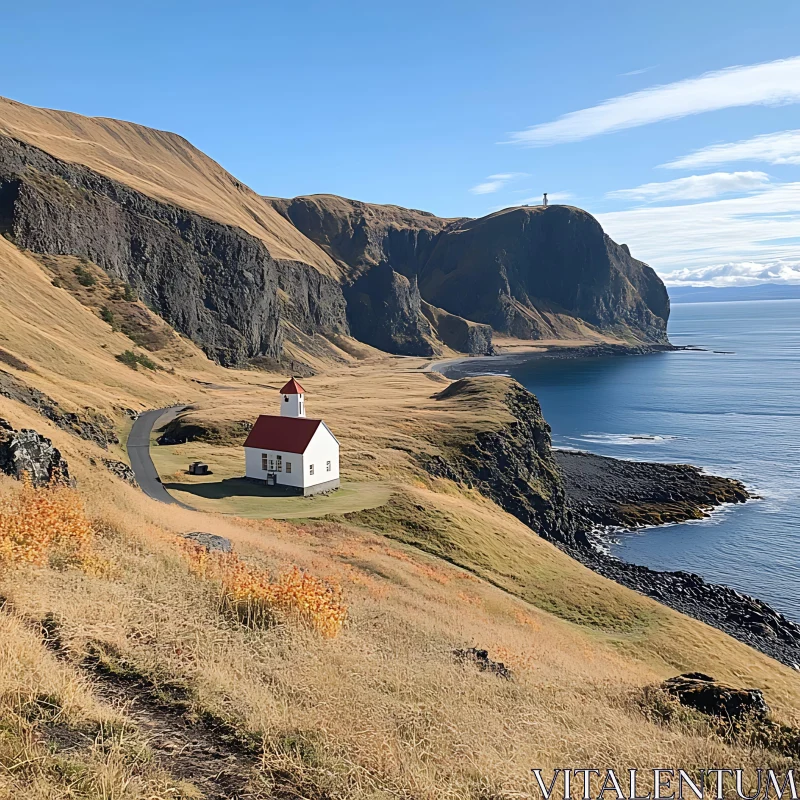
279	463
288	466
264	461
329	466
310	469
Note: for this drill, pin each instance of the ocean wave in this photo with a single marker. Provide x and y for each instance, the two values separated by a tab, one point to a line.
621	438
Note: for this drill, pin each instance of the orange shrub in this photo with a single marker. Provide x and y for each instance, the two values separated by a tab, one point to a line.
249	594
36	524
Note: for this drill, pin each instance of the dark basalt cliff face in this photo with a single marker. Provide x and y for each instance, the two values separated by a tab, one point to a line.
383	308
530	272
513	463
521	268
381	249
562	496
362	235
212	282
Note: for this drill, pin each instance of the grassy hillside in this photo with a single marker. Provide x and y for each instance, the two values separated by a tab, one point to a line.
164	166
133	667
127	669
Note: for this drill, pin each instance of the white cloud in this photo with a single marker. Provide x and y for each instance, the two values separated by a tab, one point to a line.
773	148
695	187
636	72
496	182
772	83
763	228
746	273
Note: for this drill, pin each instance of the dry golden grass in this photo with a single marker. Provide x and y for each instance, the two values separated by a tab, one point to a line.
380	710
38	524
250	595
57	742
164	166
383	709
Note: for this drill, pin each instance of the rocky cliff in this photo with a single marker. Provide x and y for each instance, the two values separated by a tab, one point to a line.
562	496
459	333
212	282
529	272
384	310
380	249
228	268
511	460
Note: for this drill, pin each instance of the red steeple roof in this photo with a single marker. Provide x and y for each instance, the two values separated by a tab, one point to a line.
287	434
293	387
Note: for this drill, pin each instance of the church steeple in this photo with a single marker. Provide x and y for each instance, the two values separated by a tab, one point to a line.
293	400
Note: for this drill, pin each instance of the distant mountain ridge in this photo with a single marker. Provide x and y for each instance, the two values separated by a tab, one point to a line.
721	294
247	277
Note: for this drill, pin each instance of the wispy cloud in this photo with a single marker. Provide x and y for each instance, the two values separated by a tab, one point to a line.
695	187
496	182
746	273
762	228
772	83
636	72
772	148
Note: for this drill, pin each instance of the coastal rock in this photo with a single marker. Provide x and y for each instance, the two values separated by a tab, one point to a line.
704	694
633	494
26	453
511	462
743	617
530	272
210	541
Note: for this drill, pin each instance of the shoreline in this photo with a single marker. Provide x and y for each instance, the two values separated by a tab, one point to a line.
631	497
565	352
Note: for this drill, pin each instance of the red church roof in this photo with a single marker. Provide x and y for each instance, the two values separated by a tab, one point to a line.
293	387
284	434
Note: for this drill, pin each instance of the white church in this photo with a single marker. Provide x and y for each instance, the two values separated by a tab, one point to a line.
291	452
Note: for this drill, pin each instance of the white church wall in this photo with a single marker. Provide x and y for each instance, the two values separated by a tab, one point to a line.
322	448
253	469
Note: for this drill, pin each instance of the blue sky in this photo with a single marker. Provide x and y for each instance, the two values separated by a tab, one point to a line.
677	124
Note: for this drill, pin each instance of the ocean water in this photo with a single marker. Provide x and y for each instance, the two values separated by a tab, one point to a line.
733	409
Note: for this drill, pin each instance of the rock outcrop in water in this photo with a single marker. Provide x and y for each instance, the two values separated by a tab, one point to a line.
634	494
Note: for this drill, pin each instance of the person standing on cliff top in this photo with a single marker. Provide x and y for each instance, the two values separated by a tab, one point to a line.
544	202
